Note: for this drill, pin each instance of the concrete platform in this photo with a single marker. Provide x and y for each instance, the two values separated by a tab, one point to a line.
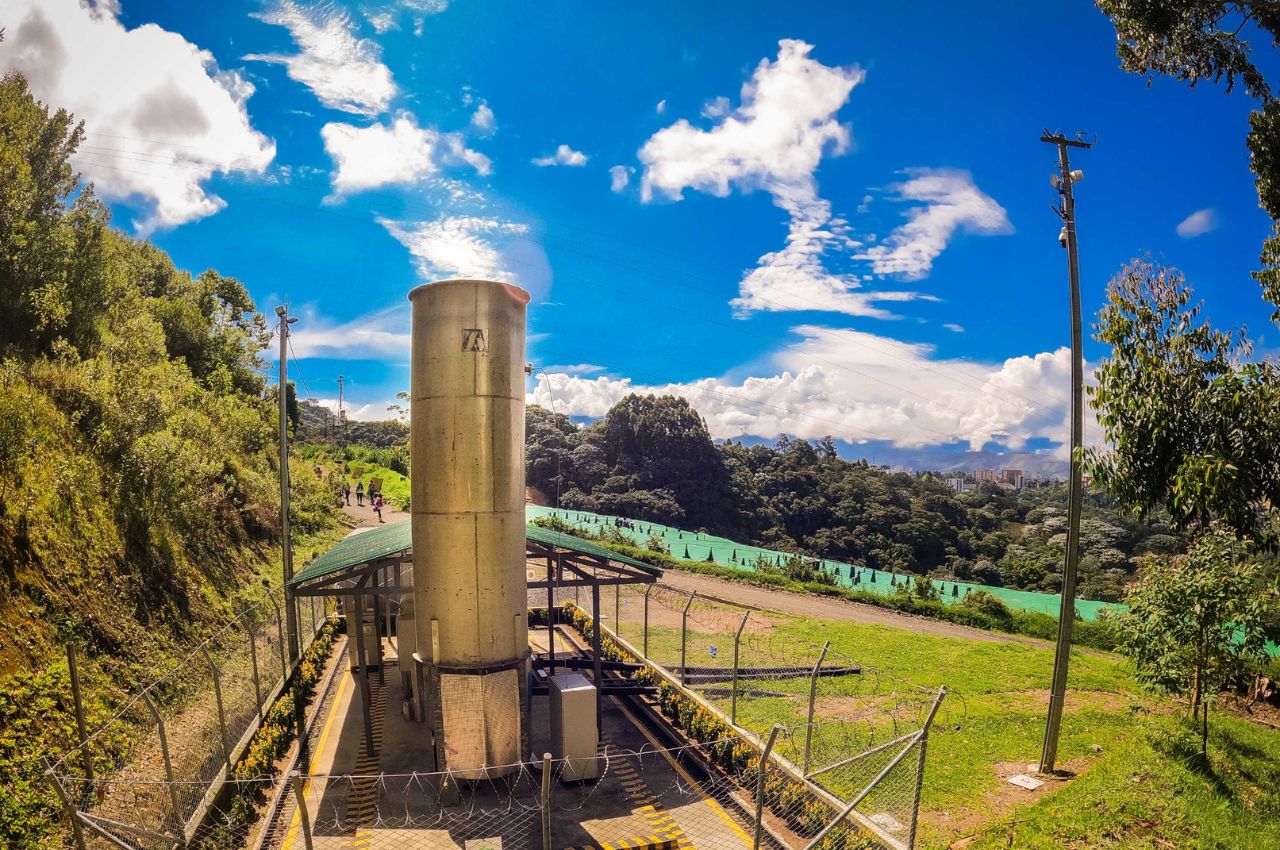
643	799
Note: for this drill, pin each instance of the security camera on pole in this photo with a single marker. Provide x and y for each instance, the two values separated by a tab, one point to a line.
1063	182
286	538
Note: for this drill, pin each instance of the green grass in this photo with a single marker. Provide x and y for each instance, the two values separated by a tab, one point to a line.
395	487
1144	771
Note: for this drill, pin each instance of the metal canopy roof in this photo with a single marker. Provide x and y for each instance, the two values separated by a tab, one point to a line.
397	540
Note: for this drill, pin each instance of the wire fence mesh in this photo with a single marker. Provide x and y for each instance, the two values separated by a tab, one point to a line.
818	750
190	726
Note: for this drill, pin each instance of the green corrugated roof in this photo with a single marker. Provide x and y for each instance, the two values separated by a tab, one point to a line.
359	549
398	537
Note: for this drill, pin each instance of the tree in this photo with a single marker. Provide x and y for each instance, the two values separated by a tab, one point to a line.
1193	429
1196	621
1197	40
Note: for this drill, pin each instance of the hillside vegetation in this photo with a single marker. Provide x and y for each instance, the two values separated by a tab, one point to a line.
652	458
138	494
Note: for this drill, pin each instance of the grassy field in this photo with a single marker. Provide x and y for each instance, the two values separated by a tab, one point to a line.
1138	782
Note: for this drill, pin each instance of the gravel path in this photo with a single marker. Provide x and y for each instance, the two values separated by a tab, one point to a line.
828	608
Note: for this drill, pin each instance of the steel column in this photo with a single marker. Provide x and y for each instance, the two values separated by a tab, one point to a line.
168	763
813	695
222	714
733	693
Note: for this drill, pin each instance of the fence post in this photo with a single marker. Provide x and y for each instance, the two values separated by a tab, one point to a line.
284	658
733	692
924	743
617	610
253	657
645	652
168	763
74	669
222	714
761	770
813	696
295	779
684	628
546	801
69	809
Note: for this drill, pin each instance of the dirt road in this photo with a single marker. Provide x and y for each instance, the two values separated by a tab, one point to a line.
828	608
366	518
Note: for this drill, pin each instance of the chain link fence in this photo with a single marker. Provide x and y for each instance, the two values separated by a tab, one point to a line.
192	726
790	745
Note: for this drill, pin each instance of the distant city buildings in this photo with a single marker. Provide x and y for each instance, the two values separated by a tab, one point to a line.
1011	479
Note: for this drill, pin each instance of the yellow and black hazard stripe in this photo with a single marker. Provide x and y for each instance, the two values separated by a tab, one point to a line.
666	833
362	803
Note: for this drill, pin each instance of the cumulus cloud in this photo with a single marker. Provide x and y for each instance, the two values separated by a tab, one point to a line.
951	203
857	386
357	412
161	116
384	334
457	246
954	328
344	71
717	107
398	152
564	155
775	139
619	177
1198	223
482	121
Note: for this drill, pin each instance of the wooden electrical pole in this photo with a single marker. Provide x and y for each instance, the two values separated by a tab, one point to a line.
1063	182
286	537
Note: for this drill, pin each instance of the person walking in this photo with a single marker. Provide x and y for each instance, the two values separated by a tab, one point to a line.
360	493
346	492
377	506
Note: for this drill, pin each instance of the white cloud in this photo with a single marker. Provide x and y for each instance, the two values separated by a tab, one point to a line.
774	141
395	153
954	328
457	246
619	177
858	386
345	72
564	155
951	202
381	335
776	137
1198	223
385	16
482	120
717	107
161	116
661	108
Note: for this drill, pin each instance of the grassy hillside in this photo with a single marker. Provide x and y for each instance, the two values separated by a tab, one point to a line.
138	495
1139	782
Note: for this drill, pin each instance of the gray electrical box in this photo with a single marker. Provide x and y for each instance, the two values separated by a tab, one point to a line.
573	726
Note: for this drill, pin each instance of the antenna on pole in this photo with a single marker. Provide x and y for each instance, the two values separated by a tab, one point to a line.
1063	181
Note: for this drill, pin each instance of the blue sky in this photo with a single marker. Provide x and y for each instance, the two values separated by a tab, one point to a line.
336	156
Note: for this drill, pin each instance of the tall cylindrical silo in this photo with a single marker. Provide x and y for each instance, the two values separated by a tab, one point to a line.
470	594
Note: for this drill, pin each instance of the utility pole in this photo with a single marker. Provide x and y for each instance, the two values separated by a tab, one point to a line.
342	416
1063	182
286	537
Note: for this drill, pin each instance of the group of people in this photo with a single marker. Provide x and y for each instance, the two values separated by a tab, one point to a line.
373	494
